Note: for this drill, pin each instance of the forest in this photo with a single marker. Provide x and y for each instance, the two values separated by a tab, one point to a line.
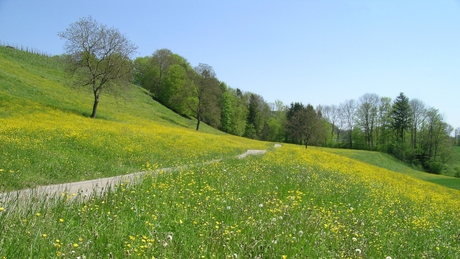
406	128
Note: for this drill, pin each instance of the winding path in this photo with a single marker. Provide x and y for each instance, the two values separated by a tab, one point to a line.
85	188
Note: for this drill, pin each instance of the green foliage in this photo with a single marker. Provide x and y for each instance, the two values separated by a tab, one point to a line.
46	135
401	115
226	107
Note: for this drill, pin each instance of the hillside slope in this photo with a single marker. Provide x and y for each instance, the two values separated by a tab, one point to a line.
47	135
388	162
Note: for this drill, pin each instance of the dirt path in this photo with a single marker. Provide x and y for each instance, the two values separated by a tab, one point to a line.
85	188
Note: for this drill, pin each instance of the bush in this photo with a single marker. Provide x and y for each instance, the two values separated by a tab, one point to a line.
434	167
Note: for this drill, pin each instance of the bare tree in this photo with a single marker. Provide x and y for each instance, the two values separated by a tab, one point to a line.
97	55
366	116
418	116
348	112
331	114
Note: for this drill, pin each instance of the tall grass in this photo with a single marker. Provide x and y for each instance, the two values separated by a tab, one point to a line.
288	203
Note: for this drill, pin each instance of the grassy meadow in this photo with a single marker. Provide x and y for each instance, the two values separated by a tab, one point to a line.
47	136
288	203
291	202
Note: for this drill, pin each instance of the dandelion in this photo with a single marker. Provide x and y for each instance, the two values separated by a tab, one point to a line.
44	235
75	245
2	209
284	256
61	220
38	214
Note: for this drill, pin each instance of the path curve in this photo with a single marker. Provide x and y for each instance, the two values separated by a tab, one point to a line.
83	189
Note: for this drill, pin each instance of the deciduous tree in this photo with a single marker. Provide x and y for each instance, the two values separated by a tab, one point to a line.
98	56
205	90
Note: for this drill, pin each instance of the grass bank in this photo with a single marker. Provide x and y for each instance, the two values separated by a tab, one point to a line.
294	203
47	137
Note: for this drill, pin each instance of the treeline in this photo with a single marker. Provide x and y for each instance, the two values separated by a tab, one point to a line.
407	129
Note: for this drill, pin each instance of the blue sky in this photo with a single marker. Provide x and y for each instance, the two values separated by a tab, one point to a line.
317	52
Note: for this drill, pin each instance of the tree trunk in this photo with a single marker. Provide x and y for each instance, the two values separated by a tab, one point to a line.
96	102
198	122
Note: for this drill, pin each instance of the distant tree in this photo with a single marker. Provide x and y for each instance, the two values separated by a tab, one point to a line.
141	70
348	110
436	147
166	76
418	110
226	104
331	114
304	125
366	116
252	119
457	136
383	132
205	90
161	62
98	56
401	115
240	111
315	130
257	118
277	121
400	122
296	123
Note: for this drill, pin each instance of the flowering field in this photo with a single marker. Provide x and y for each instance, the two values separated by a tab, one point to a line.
289	203
54	147
46	138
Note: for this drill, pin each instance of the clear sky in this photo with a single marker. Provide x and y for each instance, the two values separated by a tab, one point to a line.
317	52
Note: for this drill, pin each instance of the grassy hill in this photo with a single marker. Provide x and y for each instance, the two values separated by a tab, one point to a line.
291	202
388	162
47	137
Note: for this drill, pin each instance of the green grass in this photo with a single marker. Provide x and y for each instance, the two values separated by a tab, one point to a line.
47	136
291	202
387	161
288	203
